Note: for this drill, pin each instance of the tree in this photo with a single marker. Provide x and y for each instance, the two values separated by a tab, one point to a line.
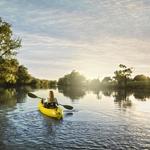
23	77
8	44
35	83
106	80
141	77
8	47
122	75
94	84
72	79
53	83
8	71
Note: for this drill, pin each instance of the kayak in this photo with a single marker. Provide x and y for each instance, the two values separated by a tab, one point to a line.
51	112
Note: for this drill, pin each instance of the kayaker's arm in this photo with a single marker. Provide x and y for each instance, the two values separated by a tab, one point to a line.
56	101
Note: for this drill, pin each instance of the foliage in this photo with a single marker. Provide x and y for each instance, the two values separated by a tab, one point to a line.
94	84
122	75
8	69
11	72
141	77
72	79
23	77
74	93
53	83
107	80
8	45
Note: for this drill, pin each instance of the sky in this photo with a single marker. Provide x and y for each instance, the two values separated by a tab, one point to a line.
89	36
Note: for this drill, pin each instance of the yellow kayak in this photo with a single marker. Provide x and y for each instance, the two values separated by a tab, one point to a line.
51	112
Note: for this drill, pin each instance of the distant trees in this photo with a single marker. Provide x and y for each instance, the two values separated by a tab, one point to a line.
107	80
141	78
72	79
52	83
94	84
12	73
122	75
23	77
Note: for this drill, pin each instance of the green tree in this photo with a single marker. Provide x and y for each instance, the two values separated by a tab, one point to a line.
23	77
94	84
122	75
53	83
8	44
8	71
72	79
141	78
8	47
35	83
107	80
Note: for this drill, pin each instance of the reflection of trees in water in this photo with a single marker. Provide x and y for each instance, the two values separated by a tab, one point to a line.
72	93
141	94
107	92
21	93
11	96
7	97
97	93
121	97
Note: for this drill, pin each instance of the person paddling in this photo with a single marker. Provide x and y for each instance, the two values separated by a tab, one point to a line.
50	102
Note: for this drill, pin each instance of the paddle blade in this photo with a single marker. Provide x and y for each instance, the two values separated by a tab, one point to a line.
68	107
32	95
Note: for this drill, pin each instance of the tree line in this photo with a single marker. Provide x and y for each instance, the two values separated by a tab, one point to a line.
11	72
121	79
14	74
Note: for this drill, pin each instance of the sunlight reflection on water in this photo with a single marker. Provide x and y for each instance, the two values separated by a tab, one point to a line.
95	123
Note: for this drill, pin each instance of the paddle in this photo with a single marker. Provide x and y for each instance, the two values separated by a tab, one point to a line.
35	96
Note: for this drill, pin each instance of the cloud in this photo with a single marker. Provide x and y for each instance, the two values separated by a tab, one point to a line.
91	36
99	57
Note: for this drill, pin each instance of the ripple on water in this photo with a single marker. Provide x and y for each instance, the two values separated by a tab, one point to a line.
39	132
85	129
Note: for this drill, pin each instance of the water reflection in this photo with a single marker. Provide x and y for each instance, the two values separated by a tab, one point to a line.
107	92
21	93
72	93
141	94
97	92
93	124
9	97
123	97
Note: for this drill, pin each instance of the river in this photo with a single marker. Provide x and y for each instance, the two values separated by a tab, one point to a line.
100	120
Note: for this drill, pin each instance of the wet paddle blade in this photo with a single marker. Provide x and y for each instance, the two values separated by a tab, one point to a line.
32	95
67	106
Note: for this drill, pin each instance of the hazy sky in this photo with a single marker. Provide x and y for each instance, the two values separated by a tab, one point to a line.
90	36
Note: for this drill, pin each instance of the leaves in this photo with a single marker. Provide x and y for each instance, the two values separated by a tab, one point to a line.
8	44
122	75
72	79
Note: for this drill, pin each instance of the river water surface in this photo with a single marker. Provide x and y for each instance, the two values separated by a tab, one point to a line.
100	120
